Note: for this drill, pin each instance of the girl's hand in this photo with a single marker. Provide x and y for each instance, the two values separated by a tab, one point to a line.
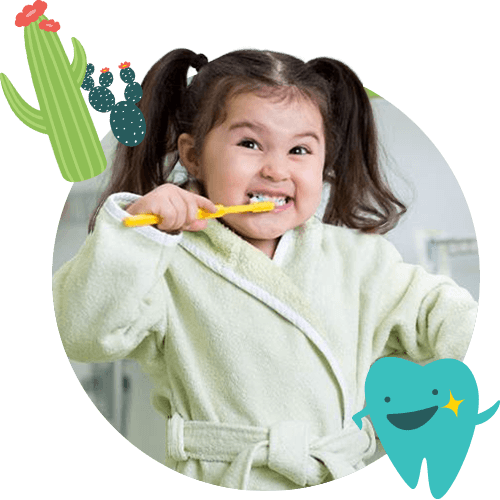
177	207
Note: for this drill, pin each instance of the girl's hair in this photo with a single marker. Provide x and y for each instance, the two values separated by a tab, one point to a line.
359	198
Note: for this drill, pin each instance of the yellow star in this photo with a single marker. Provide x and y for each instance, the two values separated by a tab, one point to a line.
453	404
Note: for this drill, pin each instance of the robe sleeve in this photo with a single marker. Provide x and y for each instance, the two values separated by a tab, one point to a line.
417	315
112	295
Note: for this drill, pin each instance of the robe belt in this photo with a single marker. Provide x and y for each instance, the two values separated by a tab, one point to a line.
285	447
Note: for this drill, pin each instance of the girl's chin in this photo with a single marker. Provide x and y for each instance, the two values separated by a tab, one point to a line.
250	232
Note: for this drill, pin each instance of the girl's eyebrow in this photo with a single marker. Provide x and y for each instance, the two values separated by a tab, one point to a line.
314	135
258	127
246	124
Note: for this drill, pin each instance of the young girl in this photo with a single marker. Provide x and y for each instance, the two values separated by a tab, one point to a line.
257	329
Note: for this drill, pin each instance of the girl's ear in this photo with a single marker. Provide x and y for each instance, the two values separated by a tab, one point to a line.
188	156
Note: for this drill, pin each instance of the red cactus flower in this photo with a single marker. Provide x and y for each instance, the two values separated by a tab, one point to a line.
49	26
30	13
124	65
104	70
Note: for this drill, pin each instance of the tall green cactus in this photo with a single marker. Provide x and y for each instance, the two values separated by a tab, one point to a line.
63	114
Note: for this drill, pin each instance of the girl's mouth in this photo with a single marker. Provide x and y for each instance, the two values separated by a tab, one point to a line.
280	202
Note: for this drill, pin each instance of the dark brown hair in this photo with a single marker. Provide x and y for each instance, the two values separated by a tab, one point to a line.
360	198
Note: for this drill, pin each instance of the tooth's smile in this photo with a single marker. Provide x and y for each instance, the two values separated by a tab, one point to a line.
412	419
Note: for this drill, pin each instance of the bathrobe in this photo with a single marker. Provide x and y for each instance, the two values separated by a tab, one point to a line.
258	364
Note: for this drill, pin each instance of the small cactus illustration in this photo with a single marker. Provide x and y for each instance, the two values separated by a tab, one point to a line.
63	115
126	119
106	78
127	73
88	82
101	98
133	91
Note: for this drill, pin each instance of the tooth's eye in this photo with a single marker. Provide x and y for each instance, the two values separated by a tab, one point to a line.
435	391
387	399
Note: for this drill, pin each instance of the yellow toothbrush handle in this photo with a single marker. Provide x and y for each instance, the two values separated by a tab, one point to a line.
151	219
205	214
262	206
141	220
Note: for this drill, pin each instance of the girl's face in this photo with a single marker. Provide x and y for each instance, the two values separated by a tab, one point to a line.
266	147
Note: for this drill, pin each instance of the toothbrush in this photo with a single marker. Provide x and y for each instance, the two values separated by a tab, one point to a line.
151	219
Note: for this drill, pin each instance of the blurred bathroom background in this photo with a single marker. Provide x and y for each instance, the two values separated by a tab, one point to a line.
437	232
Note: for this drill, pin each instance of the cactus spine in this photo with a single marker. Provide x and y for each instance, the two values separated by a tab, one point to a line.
63	114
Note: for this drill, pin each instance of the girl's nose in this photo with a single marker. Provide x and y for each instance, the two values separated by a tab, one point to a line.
275	169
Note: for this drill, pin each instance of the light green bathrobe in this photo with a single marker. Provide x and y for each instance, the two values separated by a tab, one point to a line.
258	363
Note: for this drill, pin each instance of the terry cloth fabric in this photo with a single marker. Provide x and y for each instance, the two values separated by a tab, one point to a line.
231	337
286	448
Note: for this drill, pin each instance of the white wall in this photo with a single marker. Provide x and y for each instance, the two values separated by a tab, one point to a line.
427	185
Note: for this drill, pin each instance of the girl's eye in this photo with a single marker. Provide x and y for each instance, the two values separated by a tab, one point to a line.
248	143
299	150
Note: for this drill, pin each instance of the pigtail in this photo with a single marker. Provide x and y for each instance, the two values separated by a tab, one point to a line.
360	196
141	168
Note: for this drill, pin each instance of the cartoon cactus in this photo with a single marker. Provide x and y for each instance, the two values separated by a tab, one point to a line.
63	114
126	119
100	98
127	74
88	83
106	78
133	91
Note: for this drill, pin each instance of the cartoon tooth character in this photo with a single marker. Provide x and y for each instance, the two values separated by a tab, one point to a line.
422	412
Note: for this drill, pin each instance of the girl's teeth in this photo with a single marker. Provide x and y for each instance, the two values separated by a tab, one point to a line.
256	198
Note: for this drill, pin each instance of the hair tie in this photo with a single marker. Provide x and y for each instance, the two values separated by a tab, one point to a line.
199	61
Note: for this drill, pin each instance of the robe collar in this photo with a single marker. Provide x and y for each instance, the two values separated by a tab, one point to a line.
279	283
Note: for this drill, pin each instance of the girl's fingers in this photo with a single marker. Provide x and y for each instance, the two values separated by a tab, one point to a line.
173	215
192	208
177	208
194	203
192	214
167	213
181	214
205	203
